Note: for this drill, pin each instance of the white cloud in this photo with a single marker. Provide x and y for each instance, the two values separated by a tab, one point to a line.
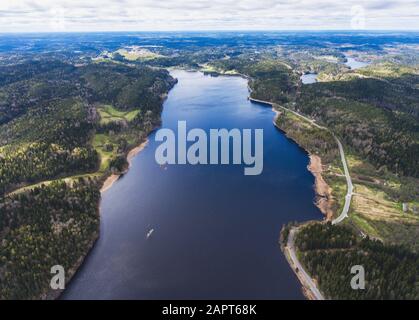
138	15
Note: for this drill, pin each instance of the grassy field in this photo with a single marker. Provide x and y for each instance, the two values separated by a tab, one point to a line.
374	209
109	114
138	54
106	150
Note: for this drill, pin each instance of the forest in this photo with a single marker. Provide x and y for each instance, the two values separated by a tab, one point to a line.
328	253
270	79
377	119
52	162
64	127
49	225
373	111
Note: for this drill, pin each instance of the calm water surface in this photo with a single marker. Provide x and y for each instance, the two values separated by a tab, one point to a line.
309	78
355	64
215	230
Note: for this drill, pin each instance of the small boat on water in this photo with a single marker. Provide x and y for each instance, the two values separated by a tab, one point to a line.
149	233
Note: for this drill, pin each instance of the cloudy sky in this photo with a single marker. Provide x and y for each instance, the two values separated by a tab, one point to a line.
138	15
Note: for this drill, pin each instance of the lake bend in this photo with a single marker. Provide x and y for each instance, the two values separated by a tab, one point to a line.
201	231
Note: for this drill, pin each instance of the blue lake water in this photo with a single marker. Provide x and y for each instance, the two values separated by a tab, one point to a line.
216	230
309	78
355	64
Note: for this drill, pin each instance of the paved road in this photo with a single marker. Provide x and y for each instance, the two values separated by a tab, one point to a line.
350	187
306	279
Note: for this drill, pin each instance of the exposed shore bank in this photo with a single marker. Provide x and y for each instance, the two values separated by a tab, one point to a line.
108	183
111	179
323	202
321	188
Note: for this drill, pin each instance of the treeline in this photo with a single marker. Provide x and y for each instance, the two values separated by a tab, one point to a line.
48	119
47	226
271	80
50	133
126	87
314	140
398	94
375	118
37	83
378	135
34	84
40	160
329	252
46	142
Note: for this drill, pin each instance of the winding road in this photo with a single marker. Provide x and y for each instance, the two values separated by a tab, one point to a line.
304	277
350	187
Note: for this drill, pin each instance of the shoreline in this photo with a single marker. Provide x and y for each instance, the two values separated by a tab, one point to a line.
110	180
107	184
309	285
323	203
321	188
323	191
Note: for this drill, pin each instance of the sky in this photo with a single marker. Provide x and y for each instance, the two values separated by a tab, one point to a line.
172	15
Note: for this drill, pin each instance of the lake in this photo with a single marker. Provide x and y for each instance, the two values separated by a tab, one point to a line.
216	230
355	64
309	78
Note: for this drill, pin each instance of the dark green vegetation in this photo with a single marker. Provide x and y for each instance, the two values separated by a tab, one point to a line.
32	83
51	129
270	79
376	117
64	115
51	137
47	226
49	141
311	138
329	252
374	113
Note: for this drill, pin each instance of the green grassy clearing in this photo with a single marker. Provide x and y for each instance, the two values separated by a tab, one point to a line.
109	114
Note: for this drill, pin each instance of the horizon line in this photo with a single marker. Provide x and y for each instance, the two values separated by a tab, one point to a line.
213	30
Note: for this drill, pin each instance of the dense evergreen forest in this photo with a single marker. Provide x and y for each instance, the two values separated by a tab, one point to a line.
270	79
328	253
375	113
49	225
66	124
377	118
51	119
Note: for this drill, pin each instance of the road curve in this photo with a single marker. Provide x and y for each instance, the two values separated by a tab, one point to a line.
304	277
350	187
